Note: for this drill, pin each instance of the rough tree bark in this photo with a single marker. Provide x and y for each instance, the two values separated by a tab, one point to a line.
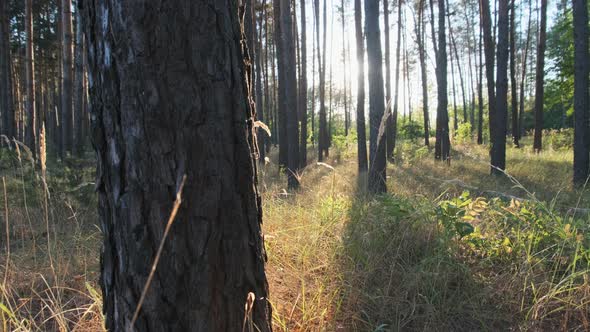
303	89
387	54
360	96
498	152
31	127
6	97
443	145
377	165
168	86
423	70
540	78
67	82
79	110
288	85
581	98
513	84
391	135
488	44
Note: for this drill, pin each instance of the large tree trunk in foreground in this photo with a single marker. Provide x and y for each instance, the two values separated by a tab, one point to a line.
581	98
168	100
442	148
378	160
360	103
498	153
31	127
540	80
488	44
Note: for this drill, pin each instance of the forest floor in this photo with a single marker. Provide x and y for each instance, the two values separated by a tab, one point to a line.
449	248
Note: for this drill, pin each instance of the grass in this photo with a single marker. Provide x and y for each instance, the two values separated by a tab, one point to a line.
451	248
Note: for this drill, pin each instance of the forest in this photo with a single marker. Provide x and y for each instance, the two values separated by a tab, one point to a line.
294	165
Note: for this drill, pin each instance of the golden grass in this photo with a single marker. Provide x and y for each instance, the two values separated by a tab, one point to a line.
338	261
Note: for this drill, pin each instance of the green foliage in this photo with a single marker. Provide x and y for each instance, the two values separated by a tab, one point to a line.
411	130
463	133
560	139
341	144
454	214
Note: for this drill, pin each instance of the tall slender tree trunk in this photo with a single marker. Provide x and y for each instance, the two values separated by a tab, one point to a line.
498	153
289	87
346	113
6	97
67	86
460	71
513	84
79	88
377	165
31	128
423	70
443	144
200	117
480	90
540	80
303	89
391	135
257	54
581	97
323	125
282	104
360	95
523	75
455	111
488	43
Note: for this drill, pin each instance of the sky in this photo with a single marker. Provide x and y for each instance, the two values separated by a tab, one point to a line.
336	39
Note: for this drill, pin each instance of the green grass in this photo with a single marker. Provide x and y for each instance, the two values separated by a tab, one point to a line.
450	248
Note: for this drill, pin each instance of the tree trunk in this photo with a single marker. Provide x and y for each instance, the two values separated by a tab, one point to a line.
31	128
79	88
257	54
6	98
461	81
67	86
303	89
523	75
391	135
581	98
513	84
287	67
488	43
323	125
443	145
540	77
377	165
282	104
455	111
480	90
498	153
165	109
423	70
360	95
346	117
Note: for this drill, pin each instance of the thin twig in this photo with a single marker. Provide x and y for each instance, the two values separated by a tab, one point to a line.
160	248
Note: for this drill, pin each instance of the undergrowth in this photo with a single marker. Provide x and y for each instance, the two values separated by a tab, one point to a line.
449	249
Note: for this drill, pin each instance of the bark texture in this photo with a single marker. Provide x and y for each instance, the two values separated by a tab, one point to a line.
540	80
581	98
377	163
169	98
31	126
360	101
498	152
442	147
6	97
67	82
